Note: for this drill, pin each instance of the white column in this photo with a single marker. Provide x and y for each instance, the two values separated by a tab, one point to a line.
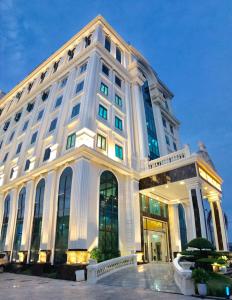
174	227
12	220
136	211
48	228
129	216
190	220
214	223
2	202
27	215
195	185
78	222
216	199
88	105
222	223
130	128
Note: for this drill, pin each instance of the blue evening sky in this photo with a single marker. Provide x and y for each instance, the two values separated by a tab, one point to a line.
189	44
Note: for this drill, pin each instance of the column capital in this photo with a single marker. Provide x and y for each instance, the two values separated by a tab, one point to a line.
214	197
193	183
156	95
136	75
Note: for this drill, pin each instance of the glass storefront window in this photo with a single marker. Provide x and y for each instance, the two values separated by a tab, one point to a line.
153	207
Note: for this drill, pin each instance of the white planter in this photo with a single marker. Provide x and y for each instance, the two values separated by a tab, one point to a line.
80	275
202	289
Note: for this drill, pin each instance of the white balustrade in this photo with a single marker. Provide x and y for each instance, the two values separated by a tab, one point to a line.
105	268
183	278
170	158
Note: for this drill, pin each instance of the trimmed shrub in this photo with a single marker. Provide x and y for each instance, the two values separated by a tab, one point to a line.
201	243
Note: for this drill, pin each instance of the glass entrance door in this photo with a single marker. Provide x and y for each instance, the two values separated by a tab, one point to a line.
155	241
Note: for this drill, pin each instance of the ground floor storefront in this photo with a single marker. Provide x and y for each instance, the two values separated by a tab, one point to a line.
60	216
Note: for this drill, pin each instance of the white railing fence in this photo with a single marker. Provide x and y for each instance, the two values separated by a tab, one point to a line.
183	278
170	158
105	268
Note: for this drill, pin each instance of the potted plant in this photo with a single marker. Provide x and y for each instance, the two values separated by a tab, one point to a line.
95	256
200	277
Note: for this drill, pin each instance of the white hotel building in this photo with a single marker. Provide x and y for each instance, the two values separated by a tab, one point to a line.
91	157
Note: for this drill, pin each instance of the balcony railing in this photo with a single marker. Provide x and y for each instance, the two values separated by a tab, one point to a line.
170	158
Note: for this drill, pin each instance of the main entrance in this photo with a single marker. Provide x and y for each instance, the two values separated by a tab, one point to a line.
156	246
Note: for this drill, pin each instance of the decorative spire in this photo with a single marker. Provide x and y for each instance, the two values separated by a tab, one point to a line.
204	154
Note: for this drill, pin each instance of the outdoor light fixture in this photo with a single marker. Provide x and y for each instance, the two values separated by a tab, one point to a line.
228	292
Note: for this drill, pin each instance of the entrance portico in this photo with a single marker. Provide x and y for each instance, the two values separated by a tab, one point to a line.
185	185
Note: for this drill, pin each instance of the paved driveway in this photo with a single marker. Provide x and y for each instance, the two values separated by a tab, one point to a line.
157	277
23	287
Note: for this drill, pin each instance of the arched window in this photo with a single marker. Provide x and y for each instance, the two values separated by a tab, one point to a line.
37	221
5	222
108	215
19	223
62	223
182	226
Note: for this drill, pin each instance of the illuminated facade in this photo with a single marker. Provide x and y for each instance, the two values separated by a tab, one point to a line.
91	157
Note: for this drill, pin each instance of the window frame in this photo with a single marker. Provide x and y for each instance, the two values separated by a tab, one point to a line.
102	108
71	141
72	111
102	145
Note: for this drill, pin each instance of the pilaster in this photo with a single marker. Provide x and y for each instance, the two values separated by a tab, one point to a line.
27	215
218	221
79	205
12	220
138	79
49	210
197	209
2	204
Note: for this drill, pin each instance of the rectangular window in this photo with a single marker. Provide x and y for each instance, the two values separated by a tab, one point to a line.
58	101
5	157
107	43
104	89
167	140
40	115
83	68
118	151
11	136
164	122
53	125
101	142
166	104
80	86
118	54
33	138
118	81
102	112
25	125
63	82
11	173
27	165
118	100
47	154
118	123
174	146
171	128
71	141
75	110
45	96
19	148
105	70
